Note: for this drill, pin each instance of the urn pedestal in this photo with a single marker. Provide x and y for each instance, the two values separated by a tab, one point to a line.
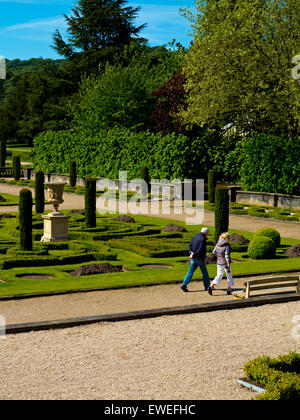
56	223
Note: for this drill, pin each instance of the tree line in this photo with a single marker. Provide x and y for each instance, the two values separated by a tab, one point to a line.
236	73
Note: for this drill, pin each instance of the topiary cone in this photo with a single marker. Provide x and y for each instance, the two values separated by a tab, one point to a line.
72	173
90	202
221	212
212	181
25	219
39	192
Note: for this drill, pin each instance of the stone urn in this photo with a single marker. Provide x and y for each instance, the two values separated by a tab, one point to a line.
55	192
55	223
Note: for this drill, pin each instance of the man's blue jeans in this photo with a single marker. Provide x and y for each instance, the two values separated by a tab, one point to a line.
197	262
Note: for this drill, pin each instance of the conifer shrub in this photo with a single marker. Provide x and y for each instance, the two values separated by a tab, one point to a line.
72	173
146	177
16	168
2	153
90	202
221	212
212	181
39	192
25	219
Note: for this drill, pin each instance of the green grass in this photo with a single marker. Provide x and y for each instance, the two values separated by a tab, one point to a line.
24	152
144	233
11	200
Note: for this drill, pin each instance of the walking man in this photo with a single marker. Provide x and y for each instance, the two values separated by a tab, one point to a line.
197	250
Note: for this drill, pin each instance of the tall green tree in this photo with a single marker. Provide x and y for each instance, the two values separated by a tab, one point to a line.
238	69
98	24
121	95
40	101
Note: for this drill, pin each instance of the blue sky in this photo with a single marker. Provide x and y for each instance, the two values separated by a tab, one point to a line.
26	26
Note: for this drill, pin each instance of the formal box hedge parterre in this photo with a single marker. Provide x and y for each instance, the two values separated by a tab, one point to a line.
280	376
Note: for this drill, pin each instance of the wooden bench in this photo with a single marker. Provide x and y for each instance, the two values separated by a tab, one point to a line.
271	285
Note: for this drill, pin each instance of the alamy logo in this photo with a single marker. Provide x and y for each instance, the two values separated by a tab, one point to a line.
2	67
163	197
2	327
296	69
296	328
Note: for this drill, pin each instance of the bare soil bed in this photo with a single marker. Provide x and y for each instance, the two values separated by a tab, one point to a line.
86	270
293	252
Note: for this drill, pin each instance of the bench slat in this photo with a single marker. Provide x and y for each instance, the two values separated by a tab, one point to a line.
270	283
275	286
273	280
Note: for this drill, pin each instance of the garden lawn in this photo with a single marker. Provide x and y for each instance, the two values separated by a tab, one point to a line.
11	200
57	259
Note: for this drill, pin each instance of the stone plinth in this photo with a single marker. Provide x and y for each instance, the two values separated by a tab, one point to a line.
55	227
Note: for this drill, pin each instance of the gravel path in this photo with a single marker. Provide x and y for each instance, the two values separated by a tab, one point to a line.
196	356
78	305
107	302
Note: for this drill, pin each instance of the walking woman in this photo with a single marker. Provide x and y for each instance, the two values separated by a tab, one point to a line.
222	252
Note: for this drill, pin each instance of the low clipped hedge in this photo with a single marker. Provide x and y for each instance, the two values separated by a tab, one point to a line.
269	233
106	236
261	248
279	376
42	261
154	247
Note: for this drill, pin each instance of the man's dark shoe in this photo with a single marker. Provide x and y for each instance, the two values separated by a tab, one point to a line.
229	292
184	288
209	291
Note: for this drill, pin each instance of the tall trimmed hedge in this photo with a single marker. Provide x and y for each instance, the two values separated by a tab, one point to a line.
39	192
221	212
90	202
25	219
119	149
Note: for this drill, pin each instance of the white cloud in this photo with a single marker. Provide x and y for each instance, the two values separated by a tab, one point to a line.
35	30
55	2
41	24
